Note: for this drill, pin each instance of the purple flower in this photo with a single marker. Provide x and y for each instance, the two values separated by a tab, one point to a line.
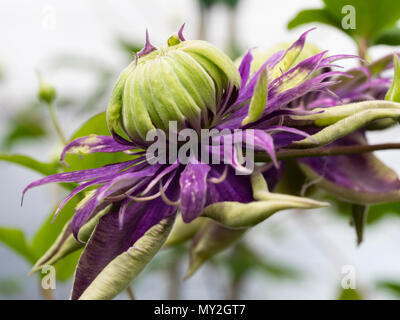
132	204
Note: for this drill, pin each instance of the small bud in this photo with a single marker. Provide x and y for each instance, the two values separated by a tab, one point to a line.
47	92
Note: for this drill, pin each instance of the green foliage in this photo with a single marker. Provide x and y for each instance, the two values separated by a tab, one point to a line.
25	125
45	168
391	286
375	19
349	294
244	260
15	240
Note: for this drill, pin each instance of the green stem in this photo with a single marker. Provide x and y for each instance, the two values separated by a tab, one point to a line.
56	125
327	151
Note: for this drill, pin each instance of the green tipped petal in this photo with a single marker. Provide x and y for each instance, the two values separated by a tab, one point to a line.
259	99
343	120
359	215
210	240
66	243
245	215
119	273
182	231
394	92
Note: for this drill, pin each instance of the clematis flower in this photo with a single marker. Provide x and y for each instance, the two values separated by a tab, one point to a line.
126	216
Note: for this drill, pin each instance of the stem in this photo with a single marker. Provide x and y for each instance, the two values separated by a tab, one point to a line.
130	293
56	125
236	288
327	151
363	48
173	274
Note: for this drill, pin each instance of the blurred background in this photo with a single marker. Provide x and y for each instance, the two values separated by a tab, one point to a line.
80	47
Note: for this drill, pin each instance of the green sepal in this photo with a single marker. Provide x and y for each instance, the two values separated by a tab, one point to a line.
211	239
394	92
259	99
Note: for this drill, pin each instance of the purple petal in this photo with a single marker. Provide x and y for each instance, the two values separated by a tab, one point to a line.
357	178
92	144
148	47
83	175
108	240
193	183
244	68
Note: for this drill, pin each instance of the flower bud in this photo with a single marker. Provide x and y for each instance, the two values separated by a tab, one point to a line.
185	81
47	92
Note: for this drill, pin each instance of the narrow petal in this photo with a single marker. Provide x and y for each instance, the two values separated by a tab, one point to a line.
92	144
244	68
193	183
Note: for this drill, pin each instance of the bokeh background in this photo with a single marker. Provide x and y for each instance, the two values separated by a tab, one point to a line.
80	46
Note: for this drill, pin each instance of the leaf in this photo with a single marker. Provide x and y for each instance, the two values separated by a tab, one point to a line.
15	240
392	286
243	260
311	16
390	37
26	125
30	163
371	17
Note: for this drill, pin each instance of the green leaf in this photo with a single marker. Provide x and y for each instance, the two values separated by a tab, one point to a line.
243	260
15	240
30	163
371	17
25	125
390	37
311	16
392	286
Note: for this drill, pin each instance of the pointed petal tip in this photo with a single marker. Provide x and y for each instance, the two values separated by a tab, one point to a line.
148	47
180	32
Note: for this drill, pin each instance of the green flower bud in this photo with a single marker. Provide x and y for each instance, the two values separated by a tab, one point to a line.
47	92
185	81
